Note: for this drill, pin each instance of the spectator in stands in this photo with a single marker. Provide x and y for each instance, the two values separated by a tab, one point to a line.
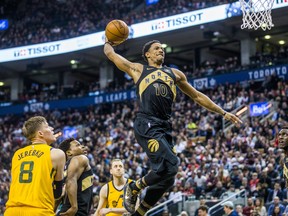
277	211
271	170
235	178
260	207
218	190
176	196
276	192
248	210
229	208
239	210
93	120
266	182
203	210
202	202
211	181
276	202
165	213
188	188
229	193
253	182
259	192
285	213
184	213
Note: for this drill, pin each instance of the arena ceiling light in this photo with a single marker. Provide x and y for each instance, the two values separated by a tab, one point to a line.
267	37
1	83
164	45
72	62
281	42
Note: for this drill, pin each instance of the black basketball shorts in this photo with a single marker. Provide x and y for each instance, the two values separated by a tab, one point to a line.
154	136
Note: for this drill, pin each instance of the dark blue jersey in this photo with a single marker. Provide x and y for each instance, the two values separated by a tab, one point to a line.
84	193
156	91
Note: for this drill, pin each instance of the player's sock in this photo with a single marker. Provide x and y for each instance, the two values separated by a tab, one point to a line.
142	209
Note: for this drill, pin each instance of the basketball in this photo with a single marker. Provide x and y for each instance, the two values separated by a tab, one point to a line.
117	31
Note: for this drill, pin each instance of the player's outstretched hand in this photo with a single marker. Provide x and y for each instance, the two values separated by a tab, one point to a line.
233	118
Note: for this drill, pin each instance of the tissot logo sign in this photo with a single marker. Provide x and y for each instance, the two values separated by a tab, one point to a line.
21	52
37	50
181	20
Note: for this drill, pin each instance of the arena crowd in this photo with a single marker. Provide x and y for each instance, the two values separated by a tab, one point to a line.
35	21
213	163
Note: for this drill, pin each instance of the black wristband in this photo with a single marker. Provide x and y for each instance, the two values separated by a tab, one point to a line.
57	189
108	42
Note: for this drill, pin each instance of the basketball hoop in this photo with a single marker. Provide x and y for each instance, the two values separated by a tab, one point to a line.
257	14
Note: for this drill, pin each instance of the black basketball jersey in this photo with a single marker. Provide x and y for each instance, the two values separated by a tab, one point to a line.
84	193
156	91
285	171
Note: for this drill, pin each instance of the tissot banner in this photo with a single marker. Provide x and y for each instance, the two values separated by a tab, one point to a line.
156	26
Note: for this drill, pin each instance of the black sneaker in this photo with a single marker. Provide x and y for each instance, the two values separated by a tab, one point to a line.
130	198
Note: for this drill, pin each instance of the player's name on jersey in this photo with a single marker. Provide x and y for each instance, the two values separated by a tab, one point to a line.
35	153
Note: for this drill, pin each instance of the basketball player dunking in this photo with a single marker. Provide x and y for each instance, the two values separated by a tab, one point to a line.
156	92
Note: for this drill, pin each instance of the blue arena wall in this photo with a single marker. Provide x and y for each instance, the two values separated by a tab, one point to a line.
112	97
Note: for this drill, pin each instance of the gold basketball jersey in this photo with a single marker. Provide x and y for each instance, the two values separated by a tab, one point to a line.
285	171
32	179
115	197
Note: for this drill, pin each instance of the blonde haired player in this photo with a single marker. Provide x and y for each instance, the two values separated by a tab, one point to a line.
37	172
111	194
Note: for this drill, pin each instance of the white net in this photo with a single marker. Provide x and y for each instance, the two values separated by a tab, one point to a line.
257	14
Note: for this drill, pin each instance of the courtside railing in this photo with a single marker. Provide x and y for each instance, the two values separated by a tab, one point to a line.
239	198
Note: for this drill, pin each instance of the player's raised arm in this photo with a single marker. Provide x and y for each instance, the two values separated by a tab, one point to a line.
201	98
132	69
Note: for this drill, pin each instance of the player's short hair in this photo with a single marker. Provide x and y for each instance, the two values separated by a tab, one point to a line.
146	47
115	160
31	126
65	145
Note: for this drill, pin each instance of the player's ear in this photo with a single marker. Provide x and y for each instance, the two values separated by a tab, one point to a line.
69	152
40	133
147	55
